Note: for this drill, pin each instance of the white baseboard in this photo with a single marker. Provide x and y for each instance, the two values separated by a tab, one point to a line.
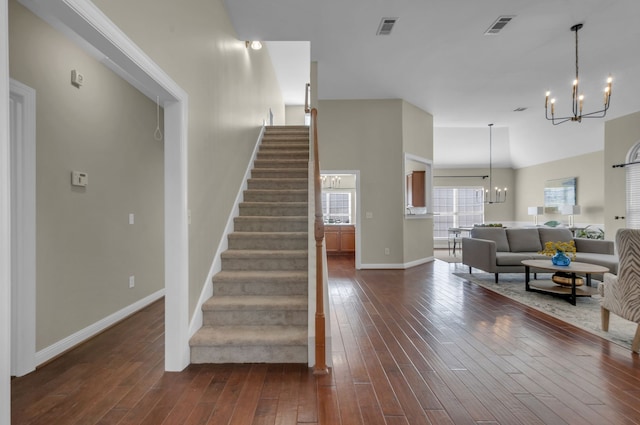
82	335
398	266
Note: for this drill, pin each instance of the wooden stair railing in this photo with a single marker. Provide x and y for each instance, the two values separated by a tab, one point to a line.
320	367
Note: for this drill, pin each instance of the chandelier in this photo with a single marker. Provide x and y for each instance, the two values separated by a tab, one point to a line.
497	196
577	97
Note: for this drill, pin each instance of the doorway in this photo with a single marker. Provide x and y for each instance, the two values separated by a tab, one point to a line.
341	214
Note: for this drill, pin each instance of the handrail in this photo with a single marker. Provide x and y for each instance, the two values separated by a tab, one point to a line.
307	89
320	368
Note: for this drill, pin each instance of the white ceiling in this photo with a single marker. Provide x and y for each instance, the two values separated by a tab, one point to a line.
438	58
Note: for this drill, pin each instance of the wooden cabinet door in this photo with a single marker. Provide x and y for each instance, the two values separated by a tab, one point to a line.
332	239
348	239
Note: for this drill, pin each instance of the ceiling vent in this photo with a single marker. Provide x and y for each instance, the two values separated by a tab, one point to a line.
386	25
520	109
499	24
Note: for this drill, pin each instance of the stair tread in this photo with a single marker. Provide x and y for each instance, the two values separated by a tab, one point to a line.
256	302
269	235
250	275
248	335
271	253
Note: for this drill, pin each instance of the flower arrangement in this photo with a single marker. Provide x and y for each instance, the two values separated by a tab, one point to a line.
551	248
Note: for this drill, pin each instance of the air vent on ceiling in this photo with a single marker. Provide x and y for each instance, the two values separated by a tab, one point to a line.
520	109
499	24
386	25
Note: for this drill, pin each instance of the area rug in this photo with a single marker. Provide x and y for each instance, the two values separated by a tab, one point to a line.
585	314
443	255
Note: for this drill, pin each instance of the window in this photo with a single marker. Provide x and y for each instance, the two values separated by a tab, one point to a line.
456	207
336	207
633	188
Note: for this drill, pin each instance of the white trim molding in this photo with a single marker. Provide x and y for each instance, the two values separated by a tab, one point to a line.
5	222
23	222
82	335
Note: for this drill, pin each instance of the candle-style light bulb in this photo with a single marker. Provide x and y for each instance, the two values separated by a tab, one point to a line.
581	98
553	105
546	99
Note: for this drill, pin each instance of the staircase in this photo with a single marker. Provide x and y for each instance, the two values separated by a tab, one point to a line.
259	309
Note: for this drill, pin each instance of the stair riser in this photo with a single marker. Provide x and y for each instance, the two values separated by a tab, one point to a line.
259	288
272	244
281	163
274	173
259	225
250	354
286	147
283	155
273	211
276	196
277	184
257	263
256	317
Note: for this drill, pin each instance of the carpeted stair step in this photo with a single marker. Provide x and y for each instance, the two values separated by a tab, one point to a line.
268	240
285	146
260	282
266	195
245	259
271	173
280	209
271	224
253	310
277	183
250	344
281	163
283	155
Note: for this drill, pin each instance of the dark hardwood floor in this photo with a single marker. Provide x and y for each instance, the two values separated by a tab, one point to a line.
419	346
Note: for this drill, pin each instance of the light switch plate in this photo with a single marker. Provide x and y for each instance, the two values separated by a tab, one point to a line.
79	178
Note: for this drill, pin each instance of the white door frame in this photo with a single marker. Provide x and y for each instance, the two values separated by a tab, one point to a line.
23	228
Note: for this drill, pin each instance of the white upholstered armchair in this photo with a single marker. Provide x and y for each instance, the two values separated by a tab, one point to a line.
621	293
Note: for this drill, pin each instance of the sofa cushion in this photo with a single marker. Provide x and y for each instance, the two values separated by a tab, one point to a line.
515	258
557	234
496	234
524	240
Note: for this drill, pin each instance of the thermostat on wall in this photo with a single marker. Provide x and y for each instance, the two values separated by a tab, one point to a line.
79	178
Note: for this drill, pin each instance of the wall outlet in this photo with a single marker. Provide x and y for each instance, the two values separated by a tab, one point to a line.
132	218
132	281
387	251
368	214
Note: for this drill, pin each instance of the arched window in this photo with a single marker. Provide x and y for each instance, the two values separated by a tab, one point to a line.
633	187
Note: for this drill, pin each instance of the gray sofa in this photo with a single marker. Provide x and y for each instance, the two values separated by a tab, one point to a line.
501	250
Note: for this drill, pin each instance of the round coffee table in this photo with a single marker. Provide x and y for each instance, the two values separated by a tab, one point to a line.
569	292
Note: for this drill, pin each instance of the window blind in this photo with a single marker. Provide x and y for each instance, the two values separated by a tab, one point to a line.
633	194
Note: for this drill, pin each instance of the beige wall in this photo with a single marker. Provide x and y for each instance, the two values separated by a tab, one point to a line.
294	115
86	250
620	135
231	89
367	135
588	169
501	177
417	139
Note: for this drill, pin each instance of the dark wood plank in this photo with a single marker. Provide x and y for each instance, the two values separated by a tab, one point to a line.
416	346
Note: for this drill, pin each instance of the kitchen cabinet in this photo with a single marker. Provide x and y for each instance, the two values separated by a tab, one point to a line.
340	239
416	189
